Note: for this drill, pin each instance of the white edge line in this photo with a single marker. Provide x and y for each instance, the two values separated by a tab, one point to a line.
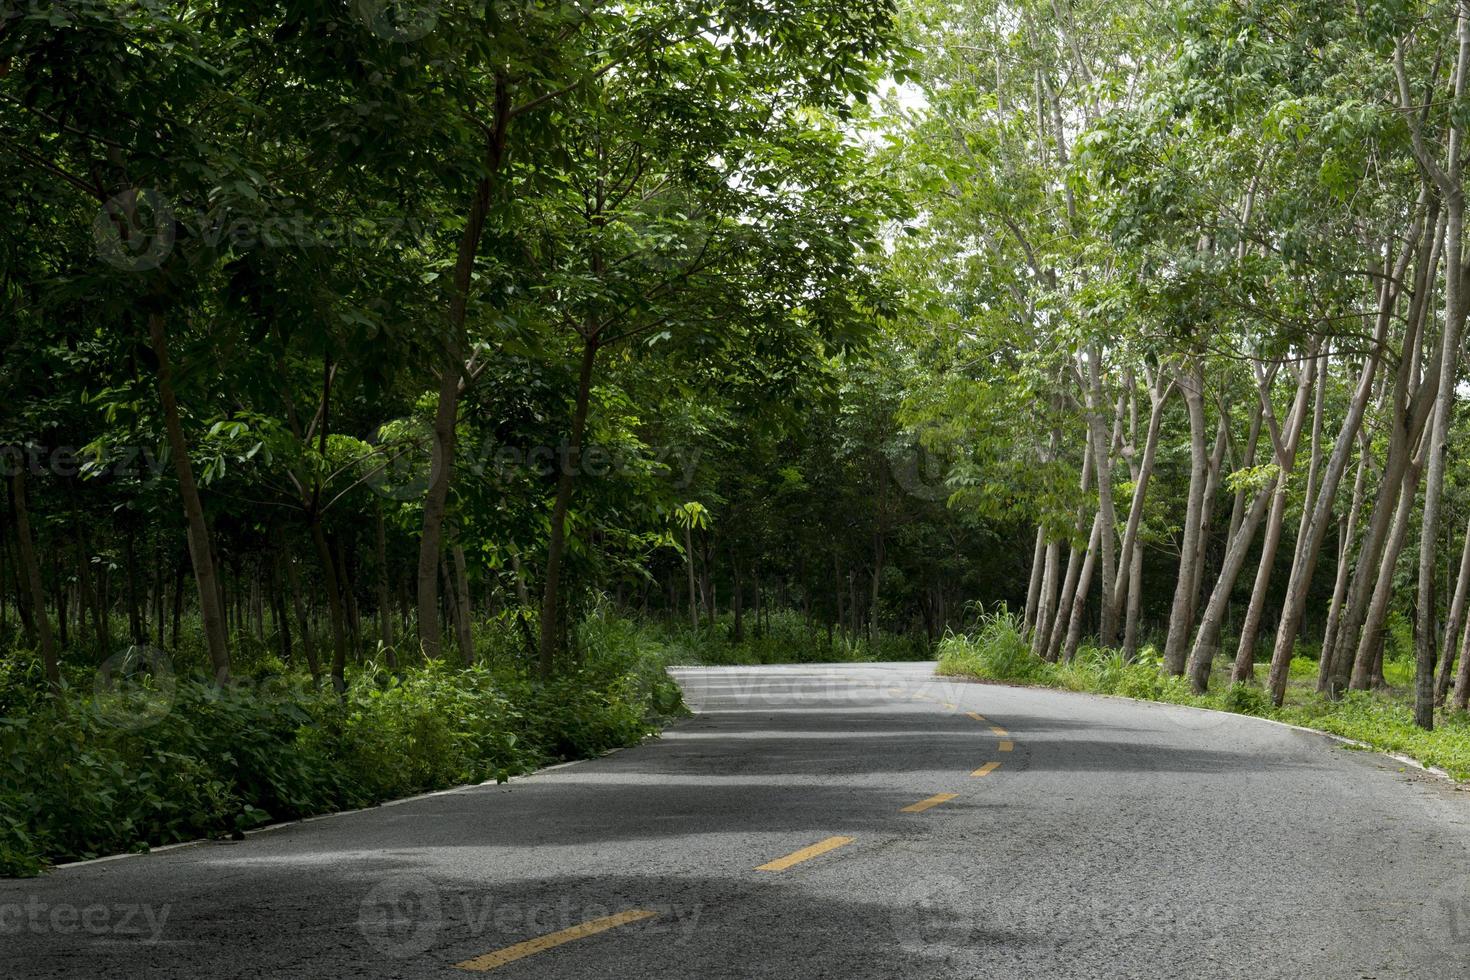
269	828
1341	739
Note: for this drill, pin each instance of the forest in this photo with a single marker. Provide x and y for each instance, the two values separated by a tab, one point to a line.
391	389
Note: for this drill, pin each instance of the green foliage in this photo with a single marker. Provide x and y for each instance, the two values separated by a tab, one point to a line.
783	637
997	651
78	779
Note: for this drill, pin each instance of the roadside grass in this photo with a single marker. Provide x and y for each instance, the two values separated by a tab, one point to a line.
996	650
168	757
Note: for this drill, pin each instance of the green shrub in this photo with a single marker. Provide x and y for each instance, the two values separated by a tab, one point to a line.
171	760
1245	699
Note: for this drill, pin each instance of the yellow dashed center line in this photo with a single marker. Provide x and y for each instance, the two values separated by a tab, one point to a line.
928	804
986	769
806	854
1006	745
542	943
977	717
998	731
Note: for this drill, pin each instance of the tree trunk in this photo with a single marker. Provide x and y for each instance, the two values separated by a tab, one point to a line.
335	612
1033	587
1372	632
1214	465
737	607
463	622
1046	603
1102	448
31	574
1079	599
1135	606
1454	624
552	596
1454	318
1060	622
1158	396
452	376
1284	448
1305	563
879	552
201	553
1181	616
385	603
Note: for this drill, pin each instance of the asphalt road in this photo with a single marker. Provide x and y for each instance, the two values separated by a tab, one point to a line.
801	826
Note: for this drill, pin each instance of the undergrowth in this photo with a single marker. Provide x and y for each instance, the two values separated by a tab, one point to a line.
996	649
153	757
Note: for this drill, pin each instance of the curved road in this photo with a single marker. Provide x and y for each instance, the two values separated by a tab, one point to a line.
844	822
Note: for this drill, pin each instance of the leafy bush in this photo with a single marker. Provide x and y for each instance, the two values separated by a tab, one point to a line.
171	760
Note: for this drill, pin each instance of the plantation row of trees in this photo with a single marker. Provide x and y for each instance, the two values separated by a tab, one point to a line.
1198	286
338	329
333	330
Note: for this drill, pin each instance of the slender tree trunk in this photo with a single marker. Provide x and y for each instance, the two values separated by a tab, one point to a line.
31	574
1214	466
1084	585
1135	606
1181	616
1060	623
1284	446
552	596
1346	532
452	377
462	621
1452	189
178	612
1370	555
1102	448
201	553
1046	604
1372	632
1305	564
1462	676
737	603
1454	624
1159	397
1033	588
385	603
335	611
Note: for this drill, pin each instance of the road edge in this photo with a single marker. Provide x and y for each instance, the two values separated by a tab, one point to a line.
282	825
1332	736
